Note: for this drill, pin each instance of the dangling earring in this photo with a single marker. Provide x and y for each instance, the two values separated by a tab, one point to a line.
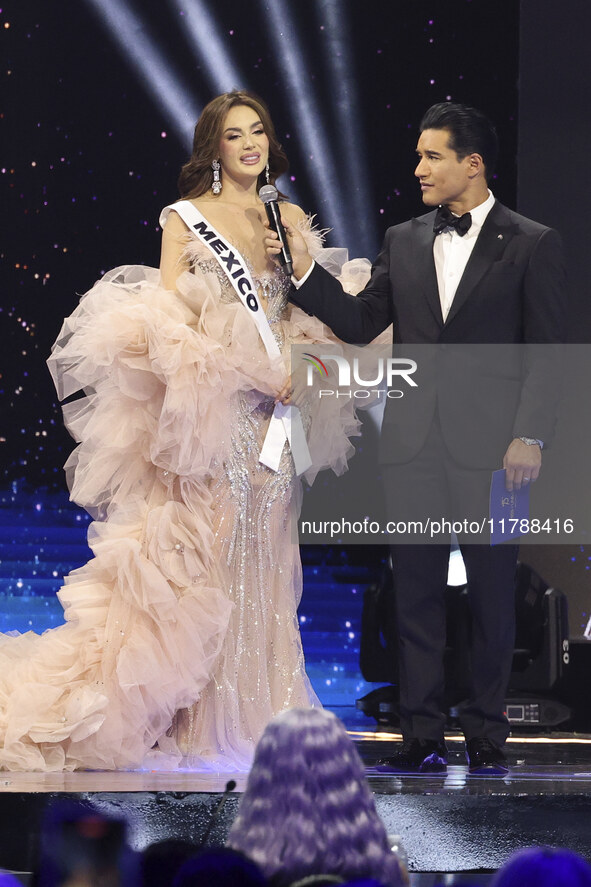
216	185
267	173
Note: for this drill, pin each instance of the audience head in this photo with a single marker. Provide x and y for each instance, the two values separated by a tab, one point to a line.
161	861
329	880
544	867
8	880
307	808
78	844
221	867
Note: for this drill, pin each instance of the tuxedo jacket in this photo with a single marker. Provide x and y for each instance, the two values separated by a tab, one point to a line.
512	293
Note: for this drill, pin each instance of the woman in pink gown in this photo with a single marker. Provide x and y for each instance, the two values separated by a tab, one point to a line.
181	638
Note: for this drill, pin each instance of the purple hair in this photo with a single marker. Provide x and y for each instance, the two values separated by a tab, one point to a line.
544	867
307	808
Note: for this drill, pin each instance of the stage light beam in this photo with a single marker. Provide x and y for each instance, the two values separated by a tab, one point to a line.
319	156
141	50
207	44
355	160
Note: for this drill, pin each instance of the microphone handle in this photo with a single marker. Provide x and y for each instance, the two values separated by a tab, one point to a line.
274	217
230	786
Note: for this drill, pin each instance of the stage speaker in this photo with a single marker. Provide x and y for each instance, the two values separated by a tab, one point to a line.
524	712
541	654
532	712
540	659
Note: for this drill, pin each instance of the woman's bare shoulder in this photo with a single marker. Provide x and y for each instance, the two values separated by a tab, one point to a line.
174	223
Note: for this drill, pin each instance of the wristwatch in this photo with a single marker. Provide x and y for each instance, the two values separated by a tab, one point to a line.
530	441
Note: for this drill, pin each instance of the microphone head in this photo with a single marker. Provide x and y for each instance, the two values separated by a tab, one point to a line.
269	194
230	785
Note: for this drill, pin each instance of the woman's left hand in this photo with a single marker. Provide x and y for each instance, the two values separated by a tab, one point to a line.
285	393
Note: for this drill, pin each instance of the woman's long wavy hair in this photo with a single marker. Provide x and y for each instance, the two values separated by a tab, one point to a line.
197	175
307	808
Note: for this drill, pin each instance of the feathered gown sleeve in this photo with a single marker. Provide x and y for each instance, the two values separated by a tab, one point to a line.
333	421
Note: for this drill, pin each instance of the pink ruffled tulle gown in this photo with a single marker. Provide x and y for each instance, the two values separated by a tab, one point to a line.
181	638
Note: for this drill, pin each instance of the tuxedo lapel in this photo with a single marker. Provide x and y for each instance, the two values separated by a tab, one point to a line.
424	263
496	233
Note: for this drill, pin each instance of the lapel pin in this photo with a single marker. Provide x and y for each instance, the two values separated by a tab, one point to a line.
499	236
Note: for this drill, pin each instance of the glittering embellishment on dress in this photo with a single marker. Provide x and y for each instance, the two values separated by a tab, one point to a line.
261	668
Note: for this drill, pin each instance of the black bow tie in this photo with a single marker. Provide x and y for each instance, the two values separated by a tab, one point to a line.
446	219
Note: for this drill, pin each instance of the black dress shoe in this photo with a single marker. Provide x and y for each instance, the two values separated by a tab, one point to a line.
416	756
485	758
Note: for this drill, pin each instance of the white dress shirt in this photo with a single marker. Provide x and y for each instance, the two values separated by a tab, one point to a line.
451	253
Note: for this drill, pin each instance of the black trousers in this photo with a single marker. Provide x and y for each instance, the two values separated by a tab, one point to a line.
433	486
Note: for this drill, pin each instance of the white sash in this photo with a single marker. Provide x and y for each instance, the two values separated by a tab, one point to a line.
286	421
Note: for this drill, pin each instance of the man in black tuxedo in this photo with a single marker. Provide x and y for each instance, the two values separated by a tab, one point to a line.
476	273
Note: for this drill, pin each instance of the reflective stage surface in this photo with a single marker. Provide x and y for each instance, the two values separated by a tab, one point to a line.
453	823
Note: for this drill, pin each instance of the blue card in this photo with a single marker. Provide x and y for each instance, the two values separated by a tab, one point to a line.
509	511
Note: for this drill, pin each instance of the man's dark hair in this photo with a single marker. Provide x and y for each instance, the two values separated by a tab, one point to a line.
470	132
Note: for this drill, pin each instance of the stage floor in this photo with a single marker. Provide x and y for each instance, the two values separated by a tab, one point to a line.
559	763
453	823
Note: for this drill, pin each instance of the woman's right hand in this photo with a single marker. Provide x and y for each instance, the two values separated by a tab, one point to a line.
301	259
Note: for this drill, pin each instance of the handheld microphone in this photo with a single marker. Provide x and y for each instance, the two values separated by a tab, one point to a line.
270	197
